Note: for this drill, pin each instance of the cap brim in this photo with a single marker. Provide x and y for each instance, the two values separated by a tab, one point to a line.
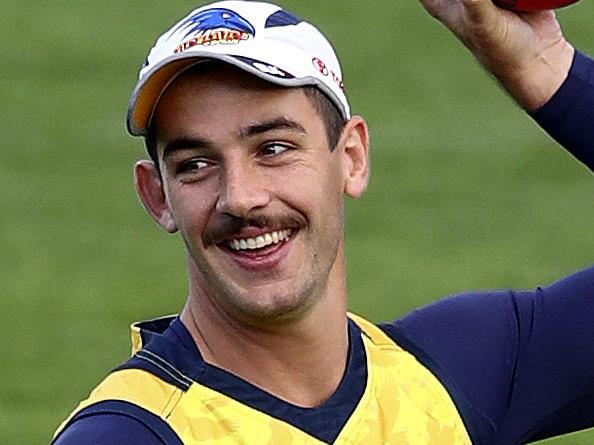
148	91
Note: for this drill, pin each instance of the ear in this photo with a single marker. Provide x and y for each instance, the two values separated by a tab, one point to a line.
355	146
150	191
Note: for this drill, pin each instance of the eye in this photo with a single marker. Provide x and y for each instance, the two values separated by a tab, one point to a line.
191	165
274	149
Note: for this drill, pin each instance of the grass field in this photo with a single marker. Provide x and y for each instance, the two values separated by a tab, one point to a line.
467	193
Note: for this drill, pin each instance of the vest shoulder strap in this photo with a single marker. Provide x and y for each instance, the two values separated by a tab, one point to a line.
375	334
134	386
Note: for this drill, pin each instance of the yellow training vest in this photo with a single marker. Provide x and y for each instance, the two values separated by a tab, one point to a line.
403	403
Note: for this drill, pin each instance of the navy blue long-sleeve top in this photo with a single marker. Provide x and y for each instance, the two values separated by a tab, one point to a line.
519	365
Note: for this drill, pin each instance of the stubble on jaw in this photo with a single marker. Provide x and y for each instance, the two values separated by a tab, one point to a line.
209	292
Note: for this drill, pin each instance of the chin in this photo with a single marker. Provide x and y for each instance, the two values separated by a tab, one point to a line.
278	307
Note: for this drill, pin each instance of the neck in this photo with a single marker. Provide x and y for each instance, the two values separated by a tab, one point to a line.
309	351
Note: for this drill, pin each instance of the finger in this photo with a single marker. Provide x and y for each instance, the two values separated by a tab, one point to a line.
480	11
438	8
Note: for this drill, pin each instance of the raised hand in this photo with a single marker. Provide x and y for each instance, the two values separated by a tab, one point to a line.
526	52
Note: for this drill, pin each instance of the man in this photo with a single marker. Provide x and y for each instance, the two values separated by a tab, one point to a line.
264	350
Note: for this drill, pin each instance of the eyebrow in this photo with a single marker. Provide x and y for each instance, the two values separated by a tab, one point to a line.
185	143
191	142
280	123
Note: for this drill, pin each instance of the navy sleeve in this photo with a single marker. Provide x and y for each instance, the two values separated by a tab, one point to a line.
108	429
518	364
115	422
569	115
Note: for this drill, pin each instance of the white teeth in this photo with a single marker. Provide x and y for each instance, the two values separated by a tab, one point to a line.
260	241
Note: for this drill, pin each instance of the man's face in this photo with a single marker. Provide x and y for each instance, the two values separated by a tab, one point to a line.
249	180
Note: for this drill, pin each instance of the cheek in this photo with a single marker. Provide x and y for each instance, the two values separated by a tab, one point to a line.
331	182
191	207
332	198
316	190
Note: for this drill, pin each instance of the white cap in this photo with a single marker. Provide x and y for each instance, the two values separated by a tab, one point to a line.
260	38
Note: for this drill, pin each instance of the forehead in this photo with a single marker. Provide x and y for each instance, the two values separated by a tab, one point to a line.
213	97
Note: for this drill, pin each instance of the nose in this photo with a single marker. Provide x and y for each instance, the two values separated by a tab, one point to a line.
243	189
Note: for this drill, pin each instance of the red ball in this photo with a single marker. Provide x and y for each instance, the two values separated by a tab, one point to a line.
532	5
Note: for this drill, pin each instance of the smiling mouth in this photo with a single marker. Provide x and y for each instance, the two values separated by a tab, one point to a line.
260	241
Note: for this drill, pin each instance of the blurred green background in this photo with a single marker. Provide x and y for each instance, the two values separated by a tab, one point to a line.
466	193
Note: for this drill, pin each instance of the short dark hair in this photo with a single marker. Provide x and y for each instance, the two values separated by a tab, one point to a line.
333	122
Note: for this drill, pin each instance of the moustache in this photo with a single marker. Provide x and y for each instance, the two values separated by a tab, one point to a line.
226	227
